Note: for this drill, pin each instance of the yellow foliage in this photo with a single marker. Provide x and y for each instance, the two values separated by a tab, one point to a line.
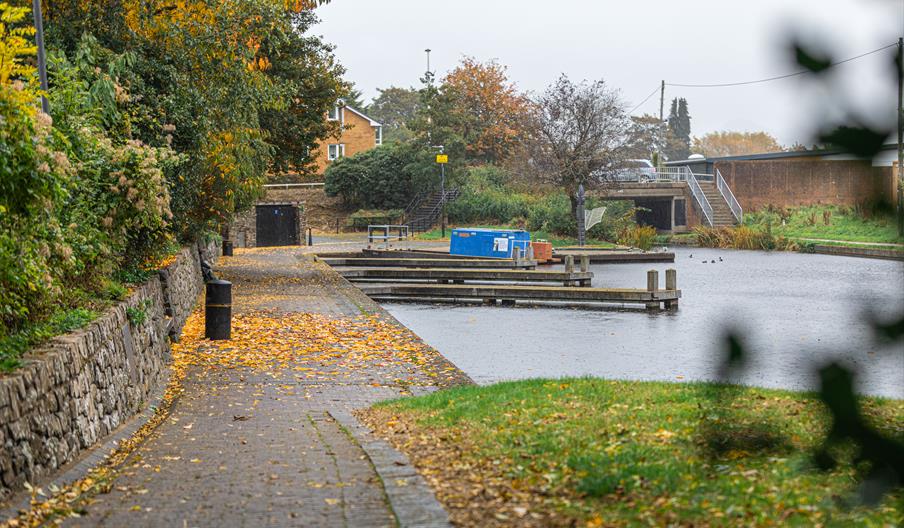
14	44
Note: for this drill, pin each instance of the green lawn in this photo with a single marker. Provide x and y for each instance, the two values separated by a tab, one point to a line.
592	452
556	241
844	224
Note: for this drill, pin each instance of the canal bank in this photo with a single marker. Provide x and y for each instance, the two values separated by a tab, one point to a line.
793	311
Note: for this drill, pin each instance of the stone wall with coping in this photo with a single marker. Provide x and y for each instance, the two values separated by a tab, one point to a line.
79	387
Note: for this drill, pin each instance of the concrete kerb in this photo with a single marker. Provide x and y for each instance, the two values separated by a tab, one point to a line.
410	498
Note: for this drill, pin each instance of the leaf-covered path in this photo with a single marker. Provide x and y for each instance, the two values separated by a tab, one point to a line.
259	431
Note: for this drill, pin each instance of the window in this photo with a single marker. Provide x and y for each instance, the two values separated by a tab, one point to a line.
335	113
378	135
334	152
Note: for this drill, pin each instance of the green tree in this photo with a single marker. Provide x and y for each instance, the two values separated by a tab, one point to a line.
379	178
394	108
354	97
307	76
678	142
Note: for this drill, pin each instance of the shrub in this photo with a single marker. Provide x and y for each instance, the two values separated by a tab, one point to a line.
742	237
363	218
74	204
375	179
641	237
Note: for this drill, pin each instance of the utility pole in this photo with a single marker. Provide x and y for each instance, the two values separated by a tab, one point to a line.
661	124
900	178
42	56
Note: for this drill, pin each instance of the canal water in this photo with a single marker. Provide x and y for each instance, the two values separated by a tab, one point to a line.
794	312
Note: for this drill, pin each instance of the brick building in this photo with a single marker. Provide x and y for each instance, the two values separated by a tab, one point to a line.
359	133
794	179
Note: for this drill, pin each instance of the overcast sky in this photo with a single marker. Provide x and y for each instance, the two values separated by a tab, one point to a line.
634	44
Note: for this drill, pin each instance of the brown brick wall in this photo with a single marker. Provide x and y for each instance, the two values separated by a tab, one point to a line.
792	183
357	135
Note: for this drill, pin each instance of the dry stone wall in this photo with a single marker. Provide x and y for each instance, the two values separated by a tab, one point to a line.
79	387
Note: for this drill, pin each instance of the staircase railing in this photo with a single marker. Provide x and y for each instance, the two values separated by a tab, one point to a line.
700	197
729	196
423	222
414	204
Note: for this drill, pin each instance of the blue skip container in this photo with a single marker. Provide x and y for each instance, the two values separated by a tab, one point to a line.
488	243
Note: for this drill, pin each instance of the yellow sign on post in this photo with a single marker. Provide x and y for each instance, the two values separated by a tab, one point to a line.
442	158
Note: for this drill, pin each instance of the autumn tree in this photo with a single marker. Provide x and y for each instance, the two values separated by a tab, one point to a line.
576	135
489	108
205	77
717	144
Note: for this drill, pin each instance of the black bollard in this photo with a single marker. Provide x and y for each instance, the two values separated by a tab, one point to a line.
218	310
227	248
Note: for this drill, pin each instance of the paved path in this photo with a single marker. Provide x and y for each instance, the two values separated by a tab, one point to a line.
251	447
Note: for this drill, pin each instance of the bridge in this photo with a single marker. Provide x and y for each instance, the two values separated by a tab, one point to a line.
677	198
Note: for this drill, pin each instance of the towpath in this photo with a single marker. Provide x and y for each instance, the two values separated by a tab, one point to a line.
262	433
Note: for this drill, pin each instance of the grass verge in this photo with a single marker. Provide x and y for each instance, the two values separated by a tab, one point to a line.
591	452
850	224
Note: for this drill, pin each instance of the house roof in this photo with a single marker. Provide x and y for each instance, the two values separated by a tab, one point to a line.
373	122
773	155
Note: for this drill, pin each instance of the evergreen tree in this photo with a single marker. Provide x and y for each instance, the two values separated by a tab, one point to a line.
678	142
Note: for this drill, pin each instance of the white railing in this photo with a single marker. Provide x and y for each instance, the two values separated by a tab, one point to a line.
292	185
729	196
386	233
698	194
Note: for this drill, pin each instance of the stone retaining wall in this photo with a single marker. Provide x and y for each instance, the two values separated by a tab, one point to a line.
79	387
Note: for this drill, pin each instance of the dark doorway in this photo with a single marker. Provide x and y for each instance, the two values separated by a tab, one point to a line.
277	225
680	212
658	213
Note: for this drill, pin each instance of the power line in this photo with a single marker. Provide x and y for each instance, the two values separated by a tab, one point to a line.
779	77
644	101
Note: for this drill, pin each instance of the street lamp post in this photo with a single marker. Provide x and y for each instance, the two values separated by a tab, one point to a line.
42	56
442	189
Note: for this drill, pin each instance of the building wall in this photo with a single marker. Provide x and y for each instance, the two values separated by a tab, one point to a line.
76	389
793	183
357	135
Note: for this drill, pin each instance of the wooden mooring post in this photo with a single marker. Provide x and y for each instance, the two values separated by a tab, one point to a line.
671	284
653	286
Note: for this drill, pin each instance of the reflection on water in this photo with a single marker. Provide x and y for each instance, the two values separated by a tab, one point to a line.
794	311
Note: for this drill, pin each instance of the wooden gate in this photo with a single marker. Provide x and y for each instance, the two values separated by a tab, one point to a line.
277	225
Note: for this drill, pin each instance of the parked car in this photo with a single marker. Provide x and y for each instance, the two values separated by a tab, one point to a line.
639	170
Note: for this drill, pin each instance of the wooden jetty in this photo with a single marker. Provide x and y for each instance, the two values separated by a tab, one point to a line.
418	253
443	263
604	256
458	276
652	297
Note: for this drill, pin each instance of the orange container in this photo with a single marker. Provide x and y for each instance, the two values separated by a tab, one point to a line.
542	250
